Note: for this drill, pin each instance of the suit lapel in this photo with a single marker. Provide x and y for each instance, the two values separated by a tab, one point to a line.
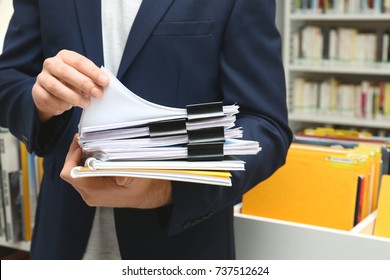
149	15
89	13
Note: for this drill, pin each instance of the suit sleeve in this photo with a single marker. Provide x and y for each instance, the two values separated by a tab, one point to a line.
252	76
20	63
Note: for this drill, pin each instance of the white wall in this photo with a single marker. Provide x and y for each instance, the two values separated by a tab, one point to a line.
6	10
279	15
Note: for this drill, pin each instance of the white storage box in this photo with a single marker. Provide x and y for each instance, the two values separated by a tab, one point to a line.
270	239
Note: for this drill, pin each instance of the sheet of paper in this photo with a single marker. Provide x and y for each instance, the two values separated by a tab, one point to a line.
129	143
128	130
120	105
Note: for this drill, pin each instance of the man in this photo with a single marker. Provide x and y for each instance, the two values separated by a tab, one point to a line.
178	52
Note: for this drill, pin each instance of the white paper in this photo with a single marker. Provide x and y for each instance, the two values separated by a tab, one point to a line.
120	105
122	141
231	147
127	131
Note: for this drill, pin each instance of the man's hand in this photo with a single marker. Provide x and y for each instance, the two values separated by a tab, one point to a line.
116	191
67	80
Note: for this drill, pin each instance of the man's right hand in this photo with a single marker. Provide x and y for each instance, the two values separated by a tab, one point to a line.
67	80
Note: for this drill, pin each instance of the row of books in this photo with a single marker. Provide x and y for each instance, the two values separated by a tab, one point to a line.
327	181
342	6
21	173
332	97
346	45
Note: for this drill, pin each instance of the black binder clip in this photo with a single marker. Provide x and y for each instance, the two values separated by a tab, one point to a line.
167	128
204	110
205	151
213	134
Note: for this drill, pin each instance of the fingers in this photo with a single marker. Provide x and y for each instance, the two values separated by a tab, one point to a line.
73	159
115	191
72	69
77	71
59	90
84	66
67	79
124	181
48	105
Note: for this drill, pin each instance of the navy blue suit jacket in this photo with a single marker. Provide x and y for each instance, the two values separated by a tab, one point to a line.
179	52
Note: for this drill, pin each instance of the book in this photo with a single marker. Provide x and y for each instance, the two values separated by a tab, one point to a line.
15	185
33	184
27	228
2	205
10	170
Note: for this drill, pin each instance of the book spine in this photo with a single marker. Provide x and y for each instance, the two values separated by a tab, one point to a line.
9	156
6	193
2	207
27	231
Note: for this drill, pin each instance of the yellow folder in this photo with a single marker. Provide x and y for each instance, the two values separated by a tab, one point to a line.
382	223
372	153
313	187
369	159
365	147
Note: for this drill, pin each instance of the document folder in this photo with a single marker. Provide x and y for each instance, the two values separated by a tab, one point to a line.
313	187
382	224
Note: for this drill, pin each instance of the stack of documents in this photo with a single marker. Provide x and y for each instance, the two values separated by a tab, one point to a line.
122	134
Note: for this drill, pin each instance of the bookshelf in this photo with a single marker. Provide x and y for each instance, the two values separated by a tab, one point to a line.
6	11
20	245
19	177
305	59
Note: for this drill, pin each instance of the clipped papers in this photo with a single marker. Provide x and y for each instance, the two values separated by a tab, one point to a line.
120	107
127	152
122	134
